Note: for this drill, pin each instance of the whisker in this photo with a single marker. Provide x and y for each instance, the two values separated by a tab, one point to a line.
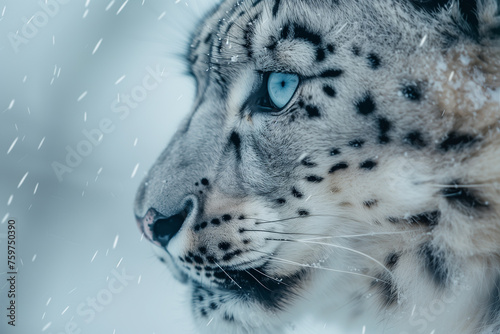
285	233
228	275
265	287
341	247
275	279
277	259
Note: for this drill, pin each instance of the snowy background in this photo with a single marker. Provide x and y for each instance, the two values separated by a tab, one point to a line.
66	69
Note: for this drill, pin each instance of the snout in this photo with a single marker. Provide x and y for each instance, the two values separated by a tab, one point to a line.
160	229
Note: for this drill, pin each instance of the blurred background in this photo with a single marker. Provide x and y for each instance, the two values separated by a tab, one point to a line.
91	91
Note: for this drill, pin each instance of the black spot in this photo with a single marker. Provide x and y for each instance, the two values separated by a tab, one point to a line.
196	184
411	92
236	141
281	201
374	61
320	54
224	246
213	306
296	193
457	141
220	275
301	32
368	164
426	218
228	317
208	38
285	31
226	218
272	46
246	241
415	139
333	73
330	48
197	227
204	182
366	105
241	217
387	289
312	111
393	220
198	268
357	143
303	213
370	203
463	197
276	7
334	151
198	260
161	259
308	163
215	221
339	166
203	225
208	275
207	268
211	259
384	126
391	260
435	264
356	50
200	298
301	104
188	260
203	312
203	250
228	257
314	178
329	91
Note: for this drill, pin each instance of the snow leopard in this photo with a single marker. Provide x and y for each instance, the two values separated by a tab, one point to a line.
342	160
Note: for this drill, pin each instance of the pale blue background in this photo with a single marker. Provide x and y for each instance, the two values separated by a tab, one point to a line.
62	226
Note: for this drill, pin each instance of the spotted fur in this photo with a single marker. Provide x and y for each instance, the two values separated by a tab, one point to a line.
371	198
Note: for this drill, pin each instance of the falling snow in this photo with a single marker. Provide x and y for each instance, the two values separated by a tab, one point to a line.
97	46
22	180
12	145
134	171
82	96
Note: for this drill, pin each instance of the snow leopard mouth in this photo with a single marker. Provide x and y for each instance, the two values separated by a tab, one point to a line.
255	284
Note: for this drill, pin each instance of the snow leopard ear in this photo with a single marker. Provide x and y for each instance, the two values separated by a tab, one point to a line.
468	20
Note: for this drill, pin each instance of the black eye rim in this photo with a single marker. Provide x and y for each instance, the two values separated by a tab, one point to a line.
261	101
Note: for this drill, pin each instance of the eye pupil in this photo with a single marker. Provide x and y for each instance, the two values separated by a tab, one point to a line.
281	87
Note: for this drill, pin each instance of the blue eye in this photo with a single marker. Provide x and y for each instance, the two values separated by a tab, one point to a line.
281	87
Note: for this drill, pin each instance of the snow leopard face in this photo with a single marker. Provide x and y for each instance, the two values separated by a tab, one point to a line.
338	152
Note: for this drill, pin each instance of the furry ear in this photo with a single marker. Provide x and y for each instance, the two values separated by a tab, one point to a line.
467	8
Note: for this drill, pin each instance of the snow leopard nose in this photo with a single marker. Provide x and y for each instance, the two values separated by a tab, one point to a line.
160	229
